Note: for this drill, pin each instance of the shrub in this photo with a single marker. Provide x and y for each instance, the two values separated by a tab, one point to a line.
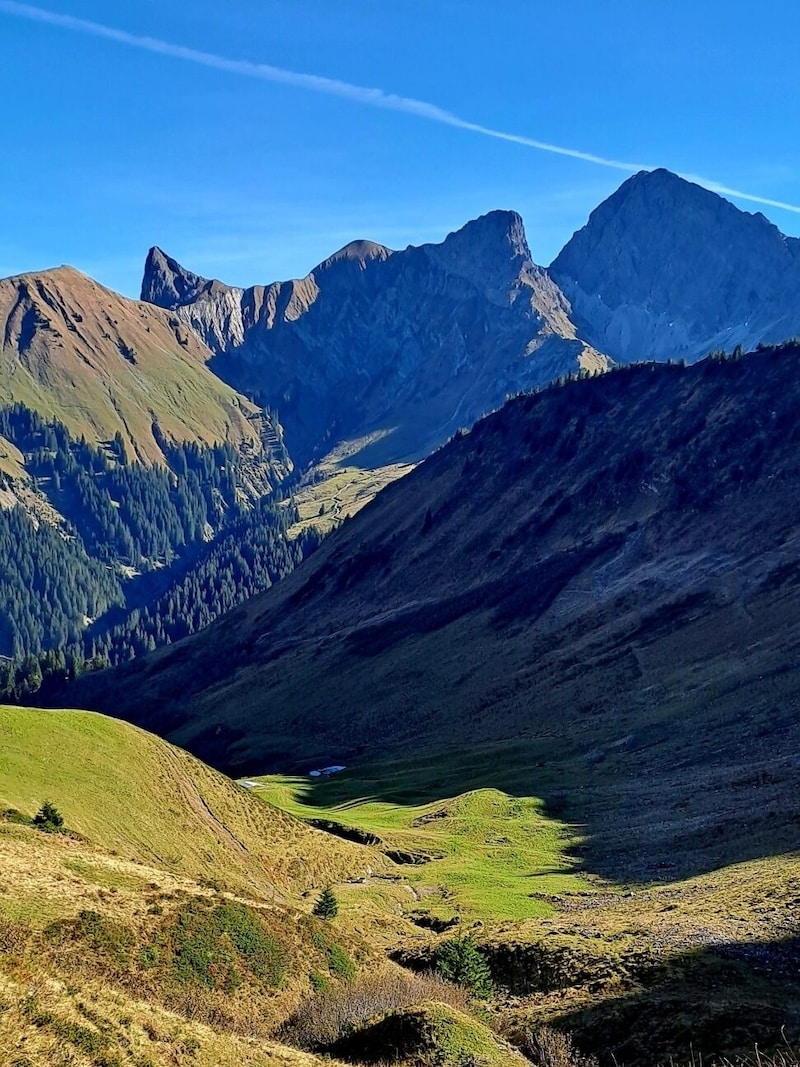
48	818
326	1016
215	947
460	960
110	943
327	906
550	1048
14	816
339	963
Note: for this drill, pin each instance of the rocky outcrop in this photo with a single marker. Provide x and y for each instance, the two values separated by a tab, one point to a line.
413	344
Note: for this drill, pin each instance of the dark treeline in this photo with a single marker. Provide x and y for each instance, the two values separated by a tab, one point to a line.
125	512
65	591
49	586
246	559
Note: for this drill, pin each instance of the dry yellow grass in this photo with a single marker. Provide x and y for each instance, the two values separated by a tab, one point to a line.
46	1022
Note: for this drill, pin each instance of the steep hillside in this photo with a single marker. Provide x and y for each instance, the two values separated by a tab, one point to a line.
86	533
606	572
120	453
101	364
169	920
130	793
407	345
665	269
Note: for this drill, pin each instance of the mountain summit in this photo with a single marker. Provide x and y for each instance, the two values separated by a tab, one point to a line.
664	268
103	364
408	345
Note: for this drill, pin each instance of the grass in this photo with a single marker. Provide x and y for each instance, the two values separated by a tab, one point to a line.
492	856
224	937
135	796
431	1035
238	966
338	489
168	382
49	1023
611	962
101	874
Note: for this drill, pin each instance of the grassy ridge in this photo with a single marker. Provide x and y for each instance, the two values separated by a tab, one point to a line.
129	792
133	364
169	924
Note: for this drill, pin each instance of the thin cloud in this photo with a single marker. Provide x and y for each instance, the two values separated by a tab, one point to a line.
345	90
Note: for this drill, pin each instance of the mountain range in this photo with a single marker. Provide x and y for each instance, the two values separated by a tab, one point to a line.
606	569
520	732
415	344
407	345
326	388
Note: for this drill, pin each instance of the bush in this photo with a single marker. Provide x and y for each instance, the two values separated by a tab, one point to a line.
109	943
217	947
460	960
339	1010
327	906
15	816
550	1048
339	963
48	818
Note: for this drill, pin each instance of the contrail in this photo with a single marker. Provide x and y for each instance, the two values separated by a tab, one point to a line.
357	93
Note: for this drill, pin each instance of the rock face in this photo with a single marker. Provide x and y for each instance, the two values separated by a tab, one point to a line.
422	341
413	344
665	269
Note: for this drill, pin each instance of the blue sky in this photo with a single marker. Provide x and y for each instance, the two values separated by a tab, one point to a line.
109	148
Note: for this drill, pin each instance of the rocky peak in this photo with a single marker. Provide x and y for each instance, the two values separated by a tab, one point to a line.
498	233
358	252
490	252
166	283
667	268
432	336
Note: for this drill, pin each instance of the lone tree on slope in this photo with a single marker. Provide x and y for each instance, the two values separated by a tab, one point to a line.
327	906
48	818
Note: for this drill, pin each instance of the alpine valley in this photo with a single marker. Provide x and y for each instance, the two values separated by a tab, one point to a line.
511	551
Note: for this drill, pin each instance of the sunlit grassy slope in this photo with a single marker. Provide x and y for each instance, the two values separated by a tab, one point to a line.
111	948
481	853
128	791
100	363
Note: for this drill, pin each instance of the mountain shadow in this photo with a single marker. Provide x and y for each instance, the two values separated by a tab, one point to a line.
603	575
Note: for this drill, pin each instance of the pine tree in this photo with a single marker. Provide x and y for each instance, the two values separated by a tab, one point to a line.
48	818
461	960
327	906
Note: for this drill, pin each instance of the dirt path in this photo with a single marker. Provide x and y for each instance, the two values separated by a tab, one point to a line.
198	805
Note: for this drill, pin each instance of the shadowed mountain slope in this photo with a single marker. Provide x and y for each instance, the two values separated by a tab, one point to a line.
606	573
408	344
665	269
